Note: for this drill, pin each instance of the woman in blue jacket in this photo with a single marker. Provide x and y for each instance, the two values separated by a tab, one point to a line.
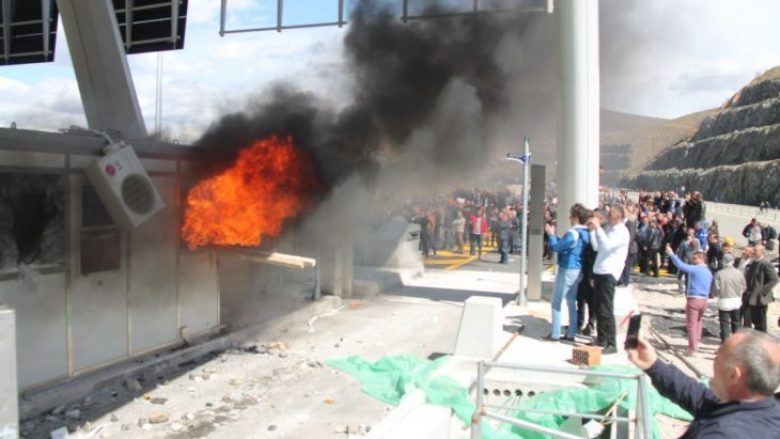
570	248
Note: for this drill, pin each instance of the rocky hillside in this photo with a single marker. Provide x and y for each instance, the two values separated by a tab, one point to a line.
734	156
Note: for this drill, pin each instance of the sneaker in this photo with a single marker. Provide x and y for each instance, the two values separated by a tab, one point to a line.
588	330
549	337
609	350
567	340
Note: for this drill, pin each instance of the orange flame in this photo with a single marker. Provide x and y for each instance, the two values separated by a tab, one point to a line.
269	183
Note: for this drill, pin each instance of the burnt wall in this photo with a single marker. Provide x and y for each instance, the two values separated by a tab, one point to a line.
31	219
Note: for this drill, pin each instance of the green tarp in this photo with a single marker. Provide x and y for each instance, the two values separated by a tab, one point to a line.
391	377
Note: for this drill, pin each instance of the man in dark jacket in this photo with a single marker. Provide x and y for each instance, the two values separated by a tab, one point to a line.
761	277
633	248
675	237
739	402
655	239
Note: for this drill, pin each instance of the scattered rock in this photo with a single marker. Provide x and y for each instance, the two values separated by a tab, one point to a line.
73	414
235	381
255	349
126	427
337	345
133	385
141	422
196	378
209	404
58	410
52	418
212	376
158	417
114	418
271	427
60	433
188	416
341	430
176	426
158	400
282	354
88	427
146	427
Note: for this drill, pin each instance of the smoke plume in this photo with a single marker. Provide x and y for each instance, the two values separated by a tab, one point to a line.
432	102
424	93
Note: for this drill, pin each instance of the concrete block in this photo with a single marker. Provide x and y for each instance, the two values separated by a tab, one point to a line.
479	334
9	396
414	419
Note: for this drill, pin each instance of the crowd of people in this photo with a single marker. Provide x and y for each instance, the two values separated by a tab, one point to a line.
653	233
663	231
473	218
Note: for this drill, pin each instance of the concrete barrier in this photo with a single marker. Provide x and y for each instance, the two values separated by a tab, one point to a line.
415	419
9	401
479	334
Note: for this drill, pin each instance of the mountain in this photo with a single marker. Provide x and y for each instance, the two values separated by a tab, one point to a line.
734	155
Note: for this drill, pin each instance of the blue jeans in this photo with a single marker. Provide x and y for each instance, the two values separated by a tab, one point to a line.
504	250
566	282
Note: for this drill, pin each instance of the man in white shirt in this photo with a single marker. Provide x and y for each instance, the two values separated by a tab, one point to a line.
611	242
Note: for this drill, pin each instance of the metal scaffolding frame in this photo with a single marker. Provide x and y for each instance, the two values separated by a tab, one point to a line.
543	6
640	420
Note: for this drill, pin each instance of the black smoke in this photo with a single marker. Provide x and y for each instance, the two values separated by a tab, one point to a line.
408	78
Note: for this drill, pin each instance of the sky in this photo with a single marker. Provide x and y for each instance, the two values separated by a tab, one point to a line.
690	55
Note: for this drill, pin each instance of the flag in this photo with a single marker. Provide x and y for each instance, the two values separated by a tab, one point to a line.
522	159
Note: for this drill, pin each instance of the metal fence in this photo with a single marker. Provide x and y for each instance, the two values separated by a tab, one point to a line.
641	419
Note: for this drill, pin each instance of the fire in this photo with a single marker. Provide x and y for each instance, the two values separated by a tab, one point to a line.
270	182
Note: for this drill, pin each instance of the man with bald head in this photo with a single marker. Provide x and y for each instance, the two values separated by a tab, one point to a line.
739	402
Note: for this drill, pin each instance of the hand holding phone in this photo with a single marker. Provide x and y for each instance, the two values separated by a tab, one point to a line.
632	337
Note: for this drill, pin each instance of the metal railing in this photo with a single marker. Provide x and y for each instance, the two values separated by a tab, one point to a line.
747	212
641	420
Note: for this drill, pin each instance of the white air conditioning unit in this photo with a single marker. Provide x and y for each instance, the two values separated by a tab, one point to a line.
124	186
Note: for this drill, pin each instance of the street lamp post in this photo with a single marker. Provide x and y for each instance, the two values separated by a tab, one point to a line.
524	160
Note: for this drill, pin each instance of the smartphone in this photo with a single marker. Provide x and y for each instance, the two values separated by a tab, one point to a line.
632	337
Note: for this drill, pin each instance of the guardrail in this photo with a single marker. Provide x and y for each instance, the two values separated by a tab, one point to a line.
642	428
771	215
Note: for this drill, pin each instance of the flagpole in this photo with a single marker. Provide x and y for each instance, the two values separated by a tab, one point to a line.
522	297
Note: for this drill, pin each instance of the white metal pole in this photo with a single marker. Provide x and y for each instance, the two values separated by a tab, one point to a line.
522	298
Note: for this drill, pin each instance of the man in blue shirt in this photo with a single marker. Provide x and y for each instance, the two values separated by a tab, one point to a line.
570	249
698	291
701	235
739	402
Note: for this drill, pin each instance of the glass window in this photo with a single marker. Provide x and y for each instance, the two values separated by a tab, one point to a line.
100	239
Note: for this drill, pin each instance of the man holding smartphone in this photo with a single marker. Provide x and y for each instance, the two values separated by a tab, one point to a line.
611	241
739	402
